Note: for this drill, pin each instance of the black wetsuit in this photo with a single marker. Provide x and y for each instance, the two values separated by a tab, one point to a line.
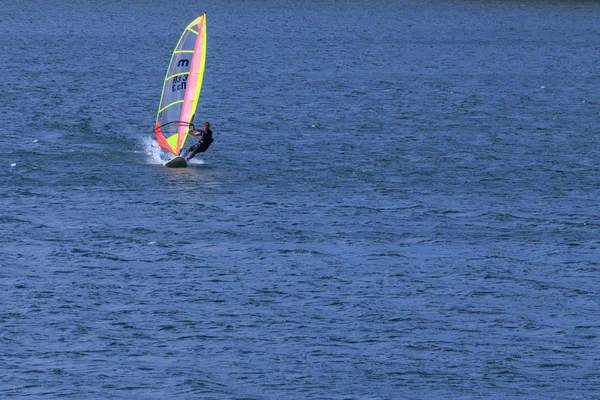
205	140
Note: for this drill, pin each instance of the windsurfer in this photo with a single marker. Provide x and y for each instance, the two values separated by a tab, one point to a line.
205	140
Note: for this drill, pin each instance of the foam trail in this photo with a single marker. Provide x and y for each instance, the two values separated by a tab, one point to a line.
153	151
196	160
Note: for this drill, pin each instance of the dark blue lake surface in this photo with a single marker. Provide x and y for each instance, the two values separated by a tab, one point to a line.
401	202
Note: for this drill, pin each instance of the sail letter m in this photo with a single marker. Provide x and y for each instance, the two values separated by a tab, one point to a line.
183	63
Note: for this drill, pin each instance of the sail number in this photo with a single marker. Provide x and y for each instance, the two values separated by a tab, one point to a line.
179	83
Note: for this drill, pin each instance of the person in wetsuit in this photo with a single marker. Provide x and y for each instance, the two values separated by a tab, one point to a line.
205	140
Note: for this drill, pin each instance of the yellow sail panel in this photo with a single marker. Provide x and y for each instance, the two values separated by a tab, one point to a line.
181	88
172	140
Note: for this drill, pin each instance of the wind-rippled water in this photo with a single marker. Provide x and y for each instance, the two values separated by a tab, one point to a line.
401	202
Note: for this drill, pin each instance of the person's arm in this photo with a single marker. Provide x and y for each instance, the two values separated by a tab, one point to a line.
196	132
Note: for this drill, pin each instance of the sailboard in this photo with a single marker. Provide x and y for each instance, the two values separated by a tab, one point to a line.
177	162
181	88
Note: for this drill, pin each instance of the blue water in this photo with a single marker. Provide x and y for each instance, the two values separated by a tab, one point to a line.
401	202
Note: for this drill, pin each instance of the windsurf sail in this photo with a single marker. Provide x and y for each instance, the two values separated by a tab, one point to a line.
181	88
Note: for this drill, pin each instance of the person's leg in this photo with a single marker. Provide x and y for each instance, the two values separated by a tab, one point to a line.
189	150
193	150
